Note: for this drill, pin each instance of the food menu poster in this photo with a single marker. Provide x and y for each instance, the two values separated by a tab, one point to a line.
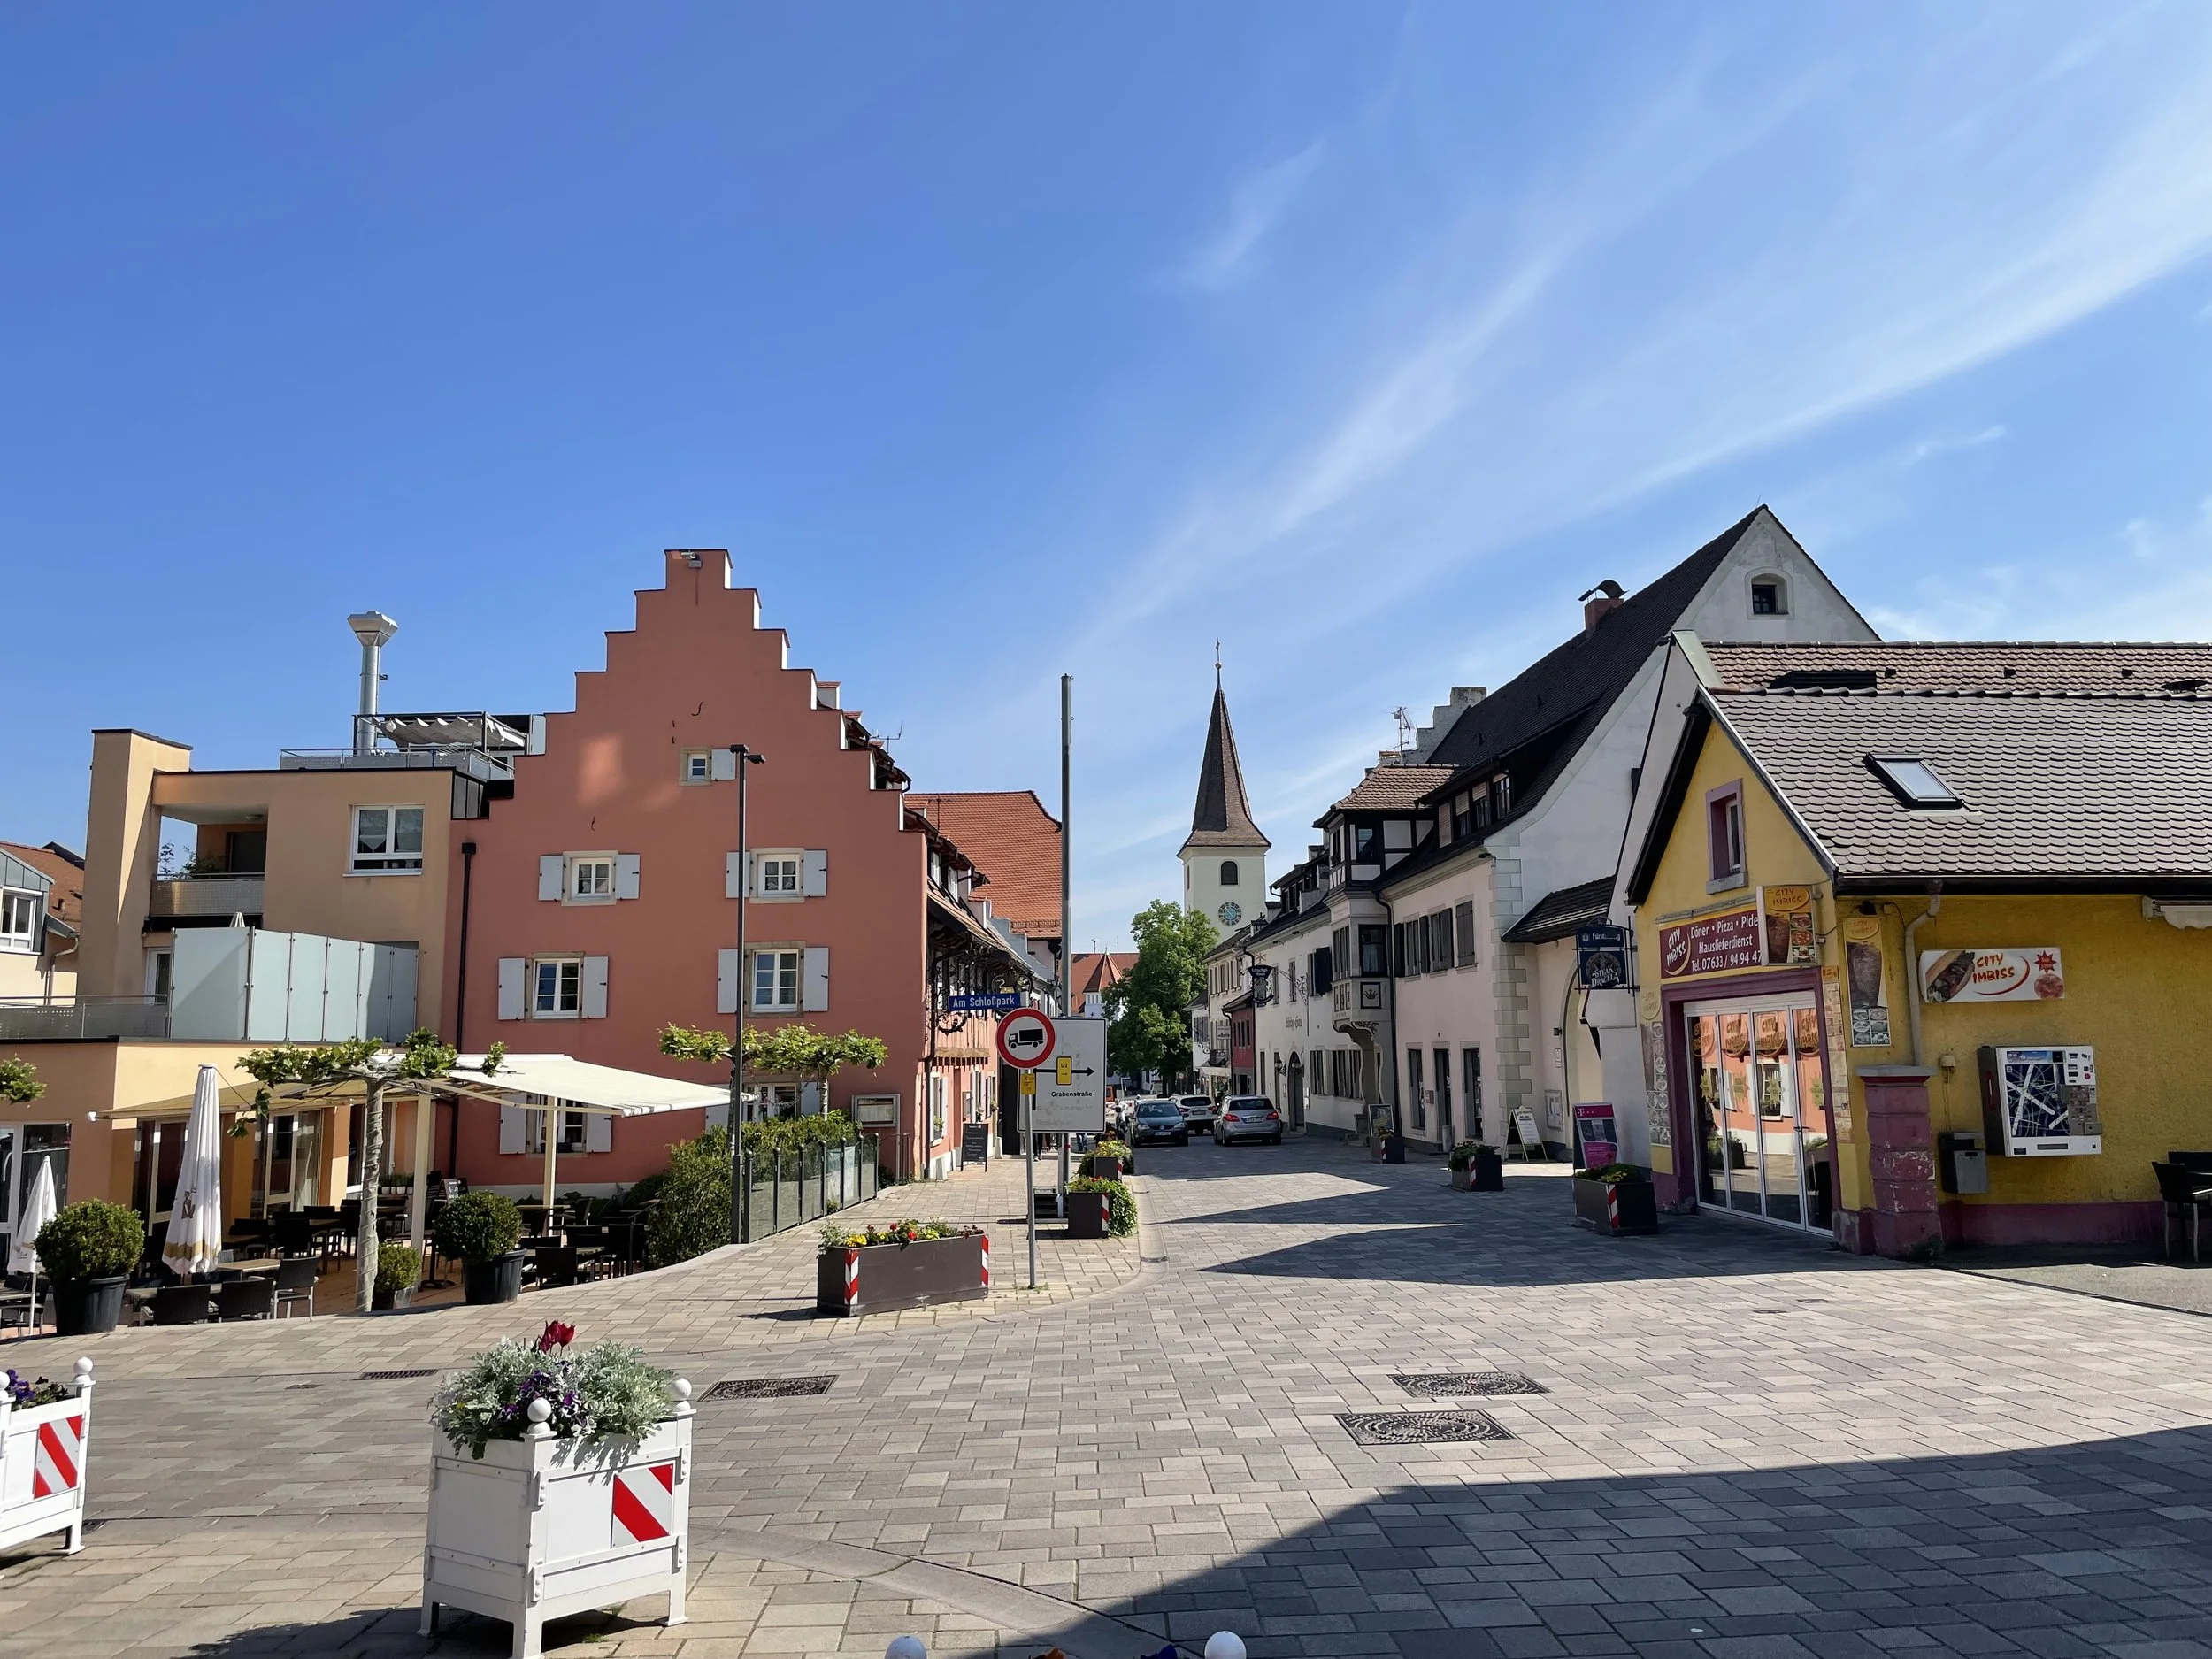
1983	974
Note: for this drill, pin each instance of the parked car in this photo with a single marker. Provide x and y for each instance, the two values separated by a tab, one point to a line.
1198	1113
1248	1117
1159	1120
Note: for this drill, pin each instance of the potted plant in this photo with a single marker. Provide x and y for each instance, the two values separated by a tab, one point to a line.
1476	1167
398	1270
481	1231
560	1481
1389	1147
1109	1160
45	1436
1616	1198
89	1249
910	1263
1099	1207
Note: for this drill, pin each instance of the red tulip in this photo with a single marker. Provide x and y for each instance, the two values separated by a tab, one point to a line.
556	1335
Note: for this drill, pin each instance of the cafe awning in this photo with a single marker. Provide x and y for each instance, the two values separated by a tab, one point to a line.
537	1079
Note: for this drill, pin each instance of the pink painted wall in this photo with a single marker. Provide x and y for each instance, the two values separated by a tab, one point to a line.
695	673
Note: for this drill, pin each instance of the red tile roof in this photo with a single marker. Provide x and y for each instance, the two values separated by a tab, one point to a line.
1393	789
1015	843
1098	969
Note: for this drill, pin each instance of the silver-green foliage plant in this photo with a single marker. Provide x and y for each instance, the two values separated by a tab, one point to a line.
606	1392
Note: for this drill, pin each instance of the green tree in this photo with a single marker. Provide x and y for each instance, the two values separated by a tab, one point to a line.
1147	1010
791	1050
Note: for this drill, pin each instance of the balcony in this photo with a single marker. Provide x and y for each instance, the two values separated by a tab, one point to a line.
25	1019
482	747
1357	1004
211	895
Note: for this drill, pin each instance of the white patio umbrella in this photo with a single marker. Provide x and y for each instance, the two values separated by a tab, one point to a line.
196	1215
38	1209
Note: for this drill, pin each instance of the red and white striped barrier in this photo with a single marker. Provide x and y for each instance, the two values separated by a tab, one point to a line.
43	1456
986	1261
852	1277
543	1527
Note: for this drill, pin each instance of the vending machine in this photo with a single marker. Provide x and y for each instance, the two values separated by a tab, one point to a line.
2041	1102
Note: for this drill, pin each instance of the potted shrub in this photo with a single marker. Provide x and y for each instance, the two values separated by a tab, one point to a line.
398	1270
1097	1209
1109	1160
560	1481
89	1249
481	1231
907	1264
1616	1198
1476	1167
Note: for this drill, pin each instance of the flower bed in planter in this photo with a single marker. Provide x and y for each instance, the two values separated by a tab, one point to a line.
907	1265
1476	1168
1109	1160
1098	1209
1617	1199
45	1436
557	1483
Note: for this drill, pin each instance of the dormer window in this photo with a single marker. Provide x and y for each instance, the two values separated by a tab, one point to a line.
1770	597
1913	780
1501	795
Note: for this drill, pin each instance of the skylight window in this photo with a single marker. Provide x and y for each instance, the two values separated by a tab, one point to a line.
1913	780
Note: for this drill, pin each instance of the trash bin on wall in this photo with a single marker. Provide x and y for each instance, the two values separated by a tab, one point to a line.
1962	1164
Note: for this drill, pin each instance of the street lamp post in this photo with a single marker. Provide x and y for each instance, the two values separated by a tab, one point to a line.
739	1186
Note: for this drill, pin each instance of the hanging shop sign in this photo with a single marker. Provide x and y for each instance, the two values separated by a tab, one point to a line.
1712	944
1868	980
2032	974
1602	958
1786	916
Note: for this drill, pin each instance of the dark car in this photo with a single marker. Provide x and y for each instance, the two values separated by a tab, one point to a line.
1198	1113
1159	1120
1248	1117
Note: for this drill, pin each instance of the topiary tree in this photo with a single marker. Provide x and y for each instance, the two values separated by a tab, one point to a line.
377	1066
90	1238
477	1227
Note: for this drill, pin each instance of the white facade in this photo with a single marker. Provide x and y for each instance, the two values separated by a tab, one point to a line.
1228	887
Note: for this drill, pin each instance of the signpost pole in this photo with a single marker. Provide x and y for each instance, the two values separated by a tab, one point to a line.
1067	927
1026	1082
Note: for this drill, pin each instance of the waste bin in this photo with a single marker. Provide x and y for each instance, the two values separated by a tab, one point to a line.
1962	1164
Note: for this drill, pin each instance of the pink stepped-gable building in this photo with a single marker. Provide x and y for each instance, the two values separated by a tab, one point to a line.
602	897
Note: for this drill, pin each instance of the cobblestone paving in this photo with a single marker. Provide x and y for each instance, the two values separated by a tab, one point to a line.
1747	1445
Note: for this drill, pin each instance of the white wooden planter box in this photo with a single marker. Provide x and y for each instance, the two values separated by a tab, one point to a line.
543	1527
42	1454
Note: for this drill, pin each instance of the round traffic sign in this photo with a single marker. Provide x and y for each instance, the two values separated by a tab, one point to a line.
1025	1039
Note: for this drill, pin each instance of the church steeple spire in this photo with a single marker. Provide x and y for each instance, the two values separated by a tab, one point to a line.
1221	817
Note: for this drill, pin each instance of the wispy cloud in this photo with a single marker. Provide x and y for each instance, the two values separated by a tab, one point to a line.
1226	256
1928	446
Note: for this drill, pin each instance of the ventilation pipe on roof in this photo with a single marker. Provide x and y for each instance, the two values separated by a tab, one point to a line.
375	630
1606	595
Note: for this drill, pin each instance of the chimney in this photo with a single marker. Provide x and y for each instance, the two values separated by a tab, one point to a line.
375	630
1606	595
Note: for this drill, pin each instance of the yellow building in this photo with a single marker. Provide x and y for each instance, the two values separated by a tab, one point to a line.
1920	934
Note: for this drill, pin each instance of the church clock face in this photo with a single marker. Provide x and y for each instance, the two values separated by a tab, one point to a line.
1229	913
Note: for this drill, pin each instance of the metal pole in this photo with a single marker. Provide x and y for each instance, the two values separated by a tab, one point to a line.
739	1187
1067	959
1029	1172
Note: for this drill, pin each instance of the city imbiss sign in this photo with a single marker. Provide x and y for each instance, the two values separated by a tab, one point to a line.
1713	944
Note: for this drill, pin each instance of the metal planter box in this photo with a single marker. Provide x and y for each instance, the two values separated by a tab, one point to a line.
886	1278
1100	1168
1087	1214
42	1454
538	1529
1616	1207
1486	1174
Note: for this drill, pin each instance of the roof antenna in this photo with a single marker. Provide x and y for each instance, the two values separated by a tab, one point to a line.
1405	729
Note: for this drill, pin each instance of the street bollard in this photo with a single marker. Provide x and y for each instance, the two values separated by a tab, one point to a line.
1225	1645
906	1647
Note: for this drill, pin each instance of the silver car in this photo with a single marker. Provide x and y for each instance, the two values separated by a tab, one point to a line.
1248	1117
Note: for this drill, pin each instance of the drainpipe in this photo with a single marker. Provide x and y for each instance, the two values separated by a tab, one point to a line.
461	1001
1912	967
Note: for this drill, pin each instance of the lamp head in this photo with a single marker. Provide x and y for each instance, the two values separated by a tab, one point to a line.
372	627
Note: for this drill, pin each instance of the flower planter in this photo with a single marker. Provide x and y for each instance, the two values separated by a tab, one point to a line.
42	1454
1107	1169
1086	1215
1389	1150
496	1278
1616	1207
543	1527
885	1278
1486	1174
86	1307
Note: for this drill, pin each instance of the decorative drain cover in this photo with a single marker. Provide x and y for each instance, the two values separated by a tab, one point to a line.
396	1376
1458	1385
770	1388
1420	1428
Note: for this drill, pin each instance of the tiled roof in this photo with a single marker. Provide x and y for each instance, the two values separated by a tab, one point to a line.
1098	969
1390	789
1964	665
1221	817
1563	911
1014	841
66	899
2091	788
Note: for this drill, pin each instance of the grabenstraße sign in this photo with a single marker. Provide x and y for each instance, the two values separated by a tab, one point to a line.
1602	958
1070	1096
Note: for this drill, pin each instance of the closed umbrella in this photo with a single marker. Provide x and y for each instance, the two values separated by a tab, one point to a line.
196	1215
38	1209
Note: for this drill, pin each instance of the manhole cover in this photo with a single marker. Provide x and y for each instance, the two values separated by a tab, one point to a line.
1455	1385
770	1388
396	1376
1420	1428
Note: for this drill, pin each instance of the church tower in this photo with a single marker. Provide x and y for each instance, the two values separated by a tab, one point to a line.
1225	857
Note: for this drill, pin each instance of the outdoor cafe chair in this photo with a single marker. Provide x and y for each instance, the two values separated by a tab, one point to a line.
252	1298
556	1265
2186	1194
295	1284
182	1304
294	1233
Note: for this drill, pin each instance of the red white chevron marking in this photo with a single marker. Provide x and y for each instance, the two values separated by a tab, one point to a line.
60	1456
644	1503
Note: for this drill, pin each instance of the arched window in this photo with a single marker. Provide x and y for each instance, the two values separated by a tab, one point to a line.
1770	597
1228	872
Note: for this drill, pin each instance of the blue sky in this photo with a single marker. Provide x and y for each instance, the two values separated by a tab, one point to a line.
997	341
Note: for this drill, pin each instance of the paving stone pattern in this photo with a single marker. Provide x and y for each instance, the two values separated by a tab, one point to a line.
1748	1444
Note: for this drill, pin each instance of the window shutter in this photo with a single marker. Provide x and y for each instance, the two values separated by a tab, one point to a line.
551	867
595	987
726	981
511	975
723	766
625	875
816	883
598	1132
733	875
510	1130
814	992
1464	912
